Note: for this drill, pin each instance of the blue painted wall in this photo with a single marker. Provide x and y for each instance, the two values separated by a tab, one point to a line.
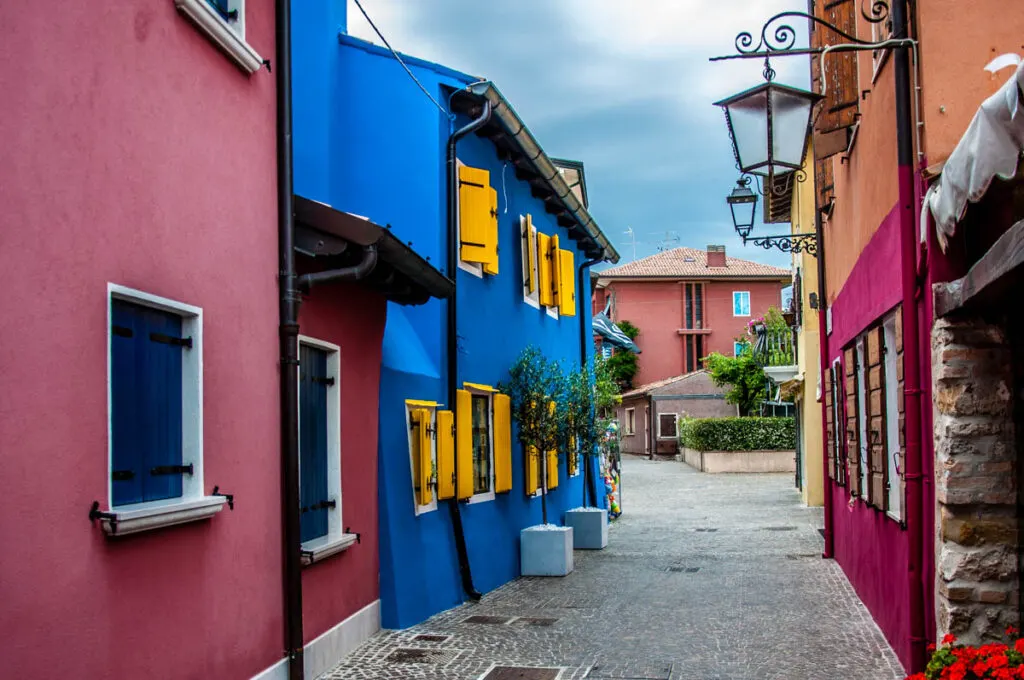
369	142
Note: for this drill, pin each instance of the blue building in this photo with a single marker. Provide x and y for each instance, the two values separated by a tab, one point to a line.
455	487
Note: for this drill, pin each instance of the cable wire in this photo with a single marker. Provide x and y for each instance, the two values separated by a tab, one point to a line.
399	59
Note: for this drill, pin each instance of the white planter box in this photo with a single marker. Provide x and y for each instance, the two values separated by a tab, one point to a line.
589	528
545	550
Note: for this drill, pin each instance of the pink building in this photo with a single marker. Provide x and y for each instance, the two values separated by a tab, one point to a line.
687	304
139	356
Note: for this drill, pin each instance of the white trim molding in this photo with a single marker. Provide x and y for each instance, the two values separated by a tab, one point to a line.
132	519
321	548
229	40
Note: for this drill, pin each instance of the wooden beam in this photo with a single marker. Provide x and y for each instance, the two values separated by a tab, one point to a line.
990	276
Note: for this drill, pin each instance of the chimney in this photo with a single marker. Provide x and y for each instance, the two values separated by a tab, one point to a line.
716	256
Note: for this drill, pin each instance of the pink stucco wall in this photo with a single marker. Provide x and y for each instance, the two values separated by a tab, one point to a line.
352	318
656	308
134	153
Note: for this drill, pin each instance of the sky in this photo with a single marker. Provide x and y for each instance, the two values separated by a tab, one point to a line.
623	86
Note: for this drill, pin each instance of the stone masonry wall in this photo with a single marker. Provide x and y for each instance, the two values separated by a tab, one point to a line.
975	480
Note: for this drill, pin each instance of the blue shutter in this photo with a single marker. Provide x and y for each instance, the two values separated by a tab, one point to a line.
313	488
146	358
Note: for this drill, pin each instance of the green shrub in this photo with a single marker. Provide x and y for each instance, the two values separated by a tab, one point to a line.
738	434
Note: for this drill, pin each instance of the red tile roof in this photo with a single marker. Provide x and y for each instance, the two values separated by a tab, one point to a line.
644	389
692	263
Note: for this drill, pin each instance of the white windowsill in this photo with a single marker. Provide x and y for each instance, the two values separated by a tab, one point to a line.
132	519
209	22
321	548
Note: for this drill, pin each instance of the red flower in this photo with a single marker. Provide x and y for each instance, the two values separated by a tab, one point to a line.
948	639
1011	631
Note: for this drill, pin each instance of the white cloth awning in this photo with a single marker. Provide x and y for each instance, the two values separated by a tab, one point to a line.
990	148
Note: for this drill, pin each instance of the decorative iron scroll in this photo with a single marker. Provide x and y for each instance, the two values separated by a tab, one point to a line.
788	243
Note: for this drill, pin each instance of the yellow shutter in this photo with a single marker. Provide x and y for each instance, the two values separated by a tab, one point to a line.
445	455
532	466
421	460
573	457
544	265
566	283
491	263
530	255
554	266
552	480
464	445
502	443
474	214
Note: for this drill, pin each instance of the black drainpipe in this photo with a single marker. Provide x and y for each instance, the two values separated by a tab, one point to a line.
353	273
289	337
453	346
588	479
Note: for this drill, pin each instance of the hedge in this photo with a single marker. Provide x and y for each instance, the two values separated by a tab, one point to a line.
738	434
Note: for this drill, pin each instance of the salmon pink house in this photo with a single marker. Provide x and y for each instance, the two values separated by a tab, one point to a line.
149	210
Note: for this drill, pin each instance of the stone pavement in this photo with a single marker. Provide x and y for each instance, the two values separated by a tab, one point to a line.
705	576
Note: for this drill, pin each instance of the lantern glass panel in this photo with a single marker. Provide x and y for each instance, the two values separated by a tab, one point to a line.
749	118
743	214
791	116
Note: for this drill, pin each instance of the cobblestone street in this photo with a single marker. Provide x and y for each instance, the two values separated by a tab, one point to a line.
705	576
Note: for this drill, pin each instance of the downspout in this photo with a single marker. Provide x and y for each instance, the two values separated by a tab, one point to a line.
289	338
824	367
354	273
452	335
588	478
911	340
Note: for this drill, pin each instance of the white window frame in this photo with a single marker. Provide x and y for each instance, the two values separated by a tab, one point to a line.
676	417
630	425
486	495
474	268
409	406
529	241
737	348
862	420
335	540
734	298
228	36
193	504
892	422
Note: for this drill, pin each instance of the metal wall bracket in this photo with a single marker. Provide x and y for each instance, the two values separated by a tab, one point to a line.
229	496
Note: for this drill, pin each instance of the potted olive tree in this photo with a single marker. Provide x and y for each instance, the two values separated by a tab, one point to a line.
582	434
535	383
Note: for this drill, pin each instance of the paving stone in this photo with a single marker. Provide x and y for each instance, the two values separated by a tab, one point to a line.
667	599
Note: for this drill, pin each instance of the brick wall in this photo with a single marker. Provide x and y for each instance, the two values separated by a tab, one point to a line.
976	480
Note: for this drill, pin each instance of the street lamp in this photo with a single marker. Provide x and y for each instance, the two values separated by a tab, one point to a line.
743	204
770	127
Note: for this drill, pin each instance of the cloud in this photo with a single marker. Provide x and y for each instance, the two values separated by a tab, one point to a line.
626	88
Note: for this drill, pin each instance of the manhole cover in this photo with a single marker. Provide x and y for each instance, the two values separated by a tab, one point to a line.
683	570
431	638
779	529
534	621
637	671
413	655
490	620
521	673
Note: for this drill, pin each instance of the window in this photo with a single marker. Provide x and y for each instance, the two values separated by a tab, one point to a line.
155	413
630	421
741	303
481	444
693	306
862	420
478	222
484	443
320	526
837	419
667	425
223	22
528	258
892	421
739	347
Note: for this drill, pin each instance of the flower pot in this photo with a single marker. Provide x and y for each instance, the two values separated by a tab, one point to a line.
545	550
589	527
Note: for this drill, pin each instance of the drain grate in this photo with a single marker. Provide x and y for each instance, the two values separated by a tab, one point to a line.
778	529
708	530
534	621
633	671
414	655
684	570
521	673
488	620
431	638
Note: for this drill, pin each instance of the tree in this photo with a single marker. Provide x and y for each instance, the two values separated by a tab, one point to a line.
591	394
535	382
623	364
742	375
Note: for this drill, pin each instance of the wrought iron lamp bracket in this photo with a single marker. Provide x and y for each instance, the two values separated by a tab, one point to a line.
787	243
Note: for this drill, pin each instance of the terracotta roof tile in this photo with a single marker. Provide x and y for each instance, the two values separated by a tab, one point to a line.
692	262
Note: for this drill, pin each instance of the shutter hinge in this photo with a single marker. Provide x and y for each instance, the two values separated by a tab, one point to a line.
122	475
95	513
172	470
322	505
170	340
359	537
329	381
229	496
122	331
